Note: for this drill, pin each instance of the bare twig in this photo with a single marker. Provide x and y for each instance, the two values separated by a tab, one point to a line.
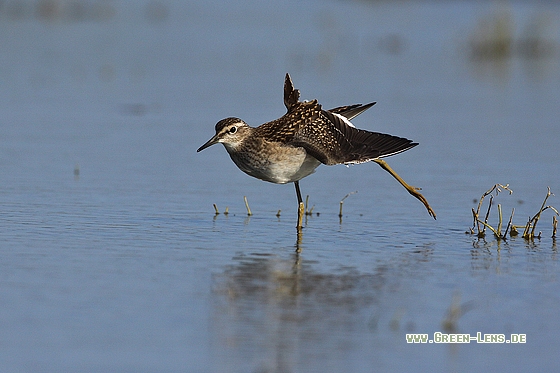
499	221
487	213
538	215
342	202
480	233
308	211
490	227
249	213
526	230
509	222
532	223
497	188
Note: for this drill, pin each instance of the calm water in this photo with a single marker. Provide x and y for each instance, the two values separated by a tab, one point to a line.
111	257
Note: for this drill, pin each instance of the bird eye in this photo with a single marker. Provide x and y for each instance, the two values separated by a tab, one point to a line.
233	130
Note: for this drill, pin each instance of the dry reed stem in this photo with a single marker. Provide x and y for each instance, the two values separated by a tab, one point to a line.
509	223
538	215
528	229
308	211
497	188
342	202
499	221
249	213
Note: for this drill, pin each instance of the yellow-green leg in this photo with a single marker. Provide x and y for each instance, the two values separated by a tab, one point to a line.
301	207
412	190
301	211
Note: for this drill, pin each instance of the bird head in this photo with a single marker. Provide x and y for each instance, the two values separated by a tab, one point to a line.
230	132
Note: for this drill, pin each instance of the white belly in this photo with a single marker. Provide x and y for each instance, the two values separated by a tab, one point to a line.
288	165
285	172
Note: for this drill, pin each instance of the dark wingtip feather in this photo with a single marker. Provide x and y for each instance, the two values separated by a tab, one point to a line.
357	145
365	146
291	95
351	111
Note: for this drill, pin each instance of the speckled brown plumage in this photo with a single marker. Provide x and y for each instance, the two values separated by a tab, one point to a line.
326	136
292	147
279	151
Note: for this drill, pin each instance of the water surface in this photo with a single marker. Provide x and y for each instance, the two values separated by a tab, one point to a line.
112	258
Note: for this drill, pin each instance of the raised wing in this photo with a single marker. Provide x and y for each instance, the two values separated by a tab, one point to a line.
351	111
291	95
328	135
332	141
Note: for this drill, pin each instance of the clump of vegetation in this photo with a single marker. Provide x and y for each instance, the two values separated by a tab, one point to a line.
479	225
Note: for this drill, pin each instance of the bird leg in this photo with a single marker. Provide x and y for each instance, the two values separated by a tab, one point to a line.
301	207
298	192
412	190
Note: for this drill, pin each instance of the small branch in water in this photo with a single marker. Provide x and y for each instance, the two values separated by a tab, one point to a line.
487	215
536	218
216	209
476	214
499	221
308	211
249	213
490	227
530	227
342	202
509	223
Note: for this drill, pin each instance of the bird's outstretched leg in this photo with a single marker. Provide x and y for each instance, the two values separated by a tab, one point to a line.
412	190
301	207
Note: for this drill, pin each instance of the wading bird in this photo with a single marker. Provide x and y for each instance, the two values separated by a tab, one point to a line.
291	147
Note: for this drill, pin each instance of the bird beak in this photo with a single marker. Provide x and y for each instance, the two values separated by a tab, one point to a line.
212	141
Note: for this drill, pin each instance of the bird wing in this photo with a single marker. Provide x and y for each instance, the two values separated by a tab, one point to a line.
299	114
291	95
331	140
351	111
328	135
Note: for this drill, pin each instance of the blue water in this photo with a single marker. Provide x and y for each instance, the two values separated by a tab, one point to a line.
111	256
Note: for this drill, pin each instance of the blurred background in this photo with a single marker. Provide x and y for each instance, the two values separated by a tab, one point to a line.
111	256
114	87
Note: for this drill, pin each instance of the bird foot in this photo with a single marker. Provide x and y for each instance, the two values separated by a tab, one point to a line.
414	191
